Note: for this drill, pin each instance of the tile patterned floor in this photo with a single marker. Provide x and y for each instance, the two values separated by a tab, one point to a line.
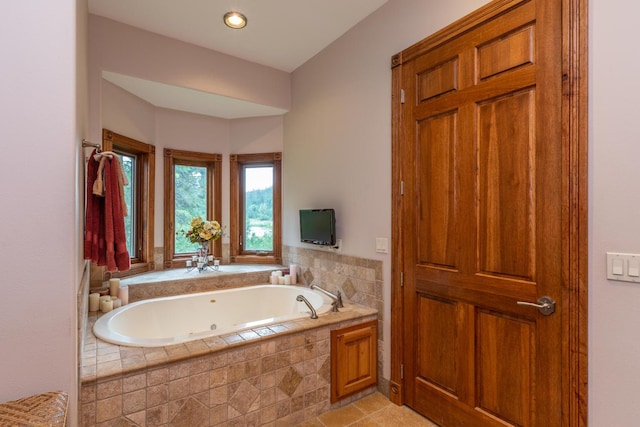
374	410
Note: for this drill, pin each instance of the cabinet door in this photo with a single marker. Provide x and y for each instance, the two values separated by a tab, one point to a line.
354	353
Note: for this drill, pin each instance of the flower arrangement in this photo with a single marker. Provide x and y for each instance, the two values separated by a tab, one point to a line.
202	231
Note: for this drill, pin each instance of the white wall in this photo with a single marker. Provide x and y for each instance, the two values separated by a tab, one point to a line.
614	208
38	169
123	49
337	149
131	116
126	114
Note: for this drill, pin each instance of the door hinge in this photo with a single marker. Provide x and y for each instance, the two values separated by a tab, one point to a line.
402	278
401	96
402	188
402	371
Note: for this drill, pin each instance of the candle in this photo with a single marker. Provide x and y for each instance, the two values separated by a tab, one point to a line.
216	262
293	270
280	280
114	284
116	302
194	258
210	257
287	279
200	265
103	291
124	295
106	305
94	301
188	262
274	278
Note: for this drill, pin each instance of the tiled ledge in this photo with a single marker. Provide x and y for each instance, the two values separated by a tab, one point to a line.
102	360
180	281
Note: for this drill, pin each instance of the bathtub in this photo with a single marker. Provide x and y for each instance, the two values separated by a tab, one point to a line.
173	320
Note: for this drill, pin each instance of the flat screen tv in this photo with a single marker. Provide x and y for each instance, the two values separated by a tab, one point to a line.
318	226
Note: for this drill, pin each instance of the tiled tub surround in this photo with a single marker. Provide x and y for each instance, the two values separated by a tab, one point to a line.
359	279
180	281
272	375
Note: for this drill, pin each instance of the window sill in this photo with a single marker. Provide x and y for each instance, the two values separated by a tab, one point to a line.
136	269
255	259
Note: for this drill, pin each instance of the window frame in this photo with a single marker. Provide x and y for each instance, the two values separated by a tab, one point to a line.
143	260
236	208
213	163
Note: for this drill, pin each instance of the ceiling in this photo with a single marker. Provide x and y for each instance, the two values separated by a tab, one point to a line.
282	34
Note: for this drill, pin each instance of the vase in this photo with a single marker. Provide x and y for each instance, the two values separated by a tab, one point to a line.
203	252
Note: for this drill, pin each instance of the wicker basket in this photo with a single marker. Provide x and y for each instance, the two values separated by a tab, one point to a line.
41	410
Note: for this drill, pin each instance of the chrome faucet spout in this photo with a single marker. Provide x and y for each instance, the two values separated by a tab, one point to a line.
337	297
301	298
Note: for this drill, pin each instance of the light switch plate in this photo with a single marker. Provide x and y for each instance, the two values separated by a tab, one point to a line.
382	245
623	267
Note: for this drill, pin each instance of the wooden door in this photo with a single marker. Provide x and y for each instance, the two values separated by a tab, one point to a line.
483	214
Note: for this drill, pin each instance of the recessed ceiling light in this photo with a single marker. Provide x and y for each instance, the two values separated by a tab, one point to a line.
235	20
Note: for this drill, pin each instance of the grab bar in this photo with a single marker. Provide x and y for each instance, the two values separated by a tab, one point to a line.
301	298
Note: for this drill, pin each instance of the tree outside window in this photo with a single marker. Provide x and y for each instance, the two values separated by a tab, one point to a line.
193	187
256	208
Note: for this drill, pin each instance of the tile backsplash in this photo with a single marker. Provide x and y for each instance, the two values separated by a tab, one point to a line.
358	279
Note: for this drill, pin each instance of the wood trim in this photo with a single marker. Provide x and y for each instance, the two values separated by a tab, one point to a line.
213	162
461	26
147	153
397	305
575	136
235	208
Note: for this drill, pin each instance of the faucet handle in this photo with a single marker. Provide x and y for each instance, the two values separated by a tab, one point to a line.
339	300
334	306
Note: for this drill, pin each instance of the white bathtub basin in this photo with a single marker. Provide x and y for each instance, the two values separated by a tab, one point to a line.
172	320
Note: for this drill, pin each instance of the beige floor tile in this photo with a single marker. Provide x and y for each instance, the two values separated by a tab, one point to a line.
311	423
367	422
393	416
372	403
342	416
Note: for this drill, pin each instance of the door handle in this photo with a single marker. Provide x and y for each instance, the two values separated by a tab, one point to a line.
545	305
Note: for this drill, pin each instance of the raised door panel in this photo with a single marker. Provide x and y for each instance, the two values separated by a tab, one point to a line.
437	346
507	185
354	353
505	360
436	182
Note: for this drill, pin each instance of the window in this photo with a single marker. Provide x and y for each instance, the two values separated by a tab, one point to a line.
255	207
138	161
193	187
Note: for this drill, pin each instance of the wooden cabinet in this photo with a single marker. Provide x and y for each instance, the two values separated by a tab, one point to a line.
354	355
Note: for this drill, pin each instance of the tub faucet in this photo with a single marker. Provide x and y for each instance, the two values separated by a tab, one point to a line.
301	298
337	297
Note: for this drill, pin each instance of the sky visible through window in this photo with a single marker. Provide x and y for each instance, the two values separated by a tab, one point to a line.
258	178
258	208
